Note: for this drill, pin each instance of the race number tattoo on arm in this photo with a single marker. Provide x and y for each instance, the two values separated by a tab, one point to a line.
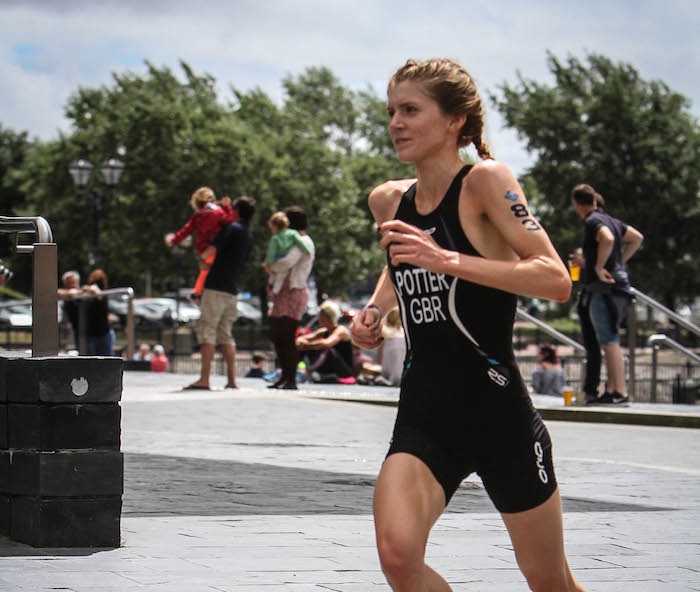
520	211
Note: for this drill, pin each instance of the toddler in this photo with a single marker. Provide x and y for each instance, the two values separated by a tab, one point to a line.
283	239
206	222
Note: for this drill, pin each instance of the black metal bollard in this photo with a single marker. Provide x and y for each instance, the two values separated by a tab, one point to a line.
61	468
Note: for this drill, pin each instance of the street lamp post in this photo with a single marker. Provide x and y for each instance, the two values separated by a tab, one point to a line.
80	170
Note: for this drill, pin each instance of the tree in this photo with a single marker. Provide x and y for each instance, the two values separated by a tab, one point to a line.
633	140
173	137
324	147
328	158
13	150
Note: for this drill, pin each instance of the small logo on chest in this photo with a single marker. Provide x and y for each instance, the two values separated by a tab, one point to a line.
430	230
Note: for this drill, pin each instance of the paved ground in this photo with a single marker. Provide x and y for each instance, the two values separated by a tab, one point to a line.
258	490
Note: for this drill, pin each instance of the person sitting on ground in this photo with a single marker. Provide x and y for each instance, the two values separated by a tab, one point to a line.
335	364
392	352
159	361
548	377
256	369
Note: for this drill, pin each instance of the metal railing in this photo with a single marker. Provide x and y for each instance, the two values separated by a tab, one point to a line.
27	225
655	341
550	330
632	339
82	322
82	318
44	279
678	319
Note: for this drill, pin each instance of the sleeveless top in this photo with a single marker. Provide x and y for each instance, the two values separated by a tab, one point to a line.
446	318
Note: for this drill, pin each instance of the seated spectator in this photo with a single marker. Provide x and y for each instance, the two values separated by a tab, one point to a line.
548	377
393	349
335	362
144	354
159	361
256	368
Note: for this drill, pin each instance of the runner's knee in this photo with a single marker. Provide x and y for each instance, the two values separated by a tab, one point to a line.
541	578
400	554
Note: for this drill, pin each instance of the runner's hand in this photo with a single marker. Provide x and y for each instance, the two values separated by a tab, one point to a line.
366	328
409	244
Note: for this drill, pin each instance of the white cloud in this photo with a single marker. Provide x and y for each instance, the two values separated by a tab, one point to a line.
49	48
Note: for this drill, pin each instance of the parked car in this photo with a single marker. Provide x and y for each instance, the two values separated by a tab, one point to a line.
160	313
147	313
183	312
15	314
248	313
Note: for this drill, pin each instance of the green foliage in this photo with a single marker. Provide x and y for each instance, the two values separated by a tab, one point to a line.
323	148
634	141
13	150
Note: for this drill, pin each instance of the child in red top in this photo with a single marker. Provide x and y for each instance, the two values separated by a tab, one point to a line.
206	222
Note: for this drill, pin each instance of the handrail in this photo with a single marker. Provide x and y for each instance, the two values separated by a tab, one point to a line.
44	280
22	224
130	338
90	295
669	313
551	330
654	341
666	340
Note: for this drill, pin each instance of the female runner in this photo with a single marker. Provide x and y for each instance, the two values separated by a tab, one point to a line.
461	243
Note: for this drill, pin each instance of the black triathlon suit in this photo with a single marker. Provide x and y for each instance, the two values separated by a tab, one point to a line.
463	405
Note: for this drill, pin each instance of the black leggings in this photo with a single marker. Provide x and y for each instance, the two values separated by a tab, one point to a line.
283	334
331	364
591	380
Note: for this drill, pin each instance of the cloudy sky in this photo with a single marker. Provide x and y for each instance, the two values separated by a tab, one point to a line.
50	47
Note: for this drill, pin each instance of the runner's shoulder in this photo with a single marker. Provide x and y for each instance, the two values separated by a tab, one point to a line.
384	199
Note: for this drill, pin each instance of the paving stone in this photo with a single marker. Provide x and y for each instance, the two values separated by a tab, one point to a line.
255	490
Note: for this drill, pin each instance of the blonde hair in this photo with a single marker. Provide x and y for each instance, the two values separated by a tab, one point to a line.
454	90
279	220
202	196
330	310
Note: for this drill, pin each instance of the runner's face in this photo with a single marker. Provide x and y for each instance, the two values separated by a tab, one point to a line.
418	128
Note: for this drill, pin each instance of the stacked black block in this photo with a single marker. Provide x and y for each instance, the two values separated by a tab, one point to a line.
61	469
4	454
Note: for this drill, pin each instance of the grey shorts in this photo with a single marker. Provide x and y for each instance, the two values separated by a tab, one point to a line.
218	311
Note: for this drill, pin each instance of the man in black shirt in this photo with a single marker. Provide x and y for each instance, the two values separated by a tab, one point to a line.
608	243
219	299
